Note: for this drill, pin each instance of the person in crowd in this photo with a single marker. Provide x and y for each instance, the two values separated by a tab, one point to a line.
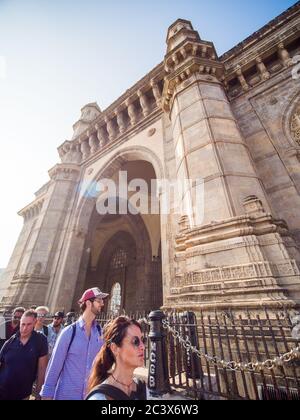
70	318
23	359
12	326
112	375
74	352
54	329
41	327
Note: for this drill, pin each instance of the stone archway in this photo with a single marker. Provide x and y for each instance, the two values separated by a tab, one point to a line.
75	257
139	274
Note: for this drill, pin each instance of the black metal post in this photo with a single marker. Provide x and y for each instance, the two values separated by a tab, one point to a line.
158	379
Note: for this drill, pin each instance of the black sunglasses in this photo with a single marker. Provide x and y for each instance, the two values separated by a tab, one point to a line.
136	341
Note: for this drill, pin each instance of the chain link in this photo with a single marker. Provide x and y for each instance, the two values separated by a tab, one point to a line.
269	364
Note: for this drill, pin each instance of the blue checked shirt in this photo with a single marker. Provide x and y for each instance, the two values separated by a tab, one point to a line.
68	381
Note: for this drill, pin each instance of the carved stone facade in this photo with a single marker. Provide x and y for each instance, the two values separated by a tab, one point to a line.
295	126
232	122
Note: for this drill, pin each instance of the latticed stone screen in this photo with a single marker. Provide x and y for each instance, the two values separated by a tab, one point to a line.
295	126
119	259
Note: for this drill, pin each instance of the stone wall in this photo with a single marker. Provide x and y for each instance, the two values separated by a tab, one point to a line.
231	123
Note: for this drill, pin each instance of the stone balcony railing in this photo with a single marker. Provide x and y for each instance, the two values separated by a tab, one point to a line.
122	117
262	56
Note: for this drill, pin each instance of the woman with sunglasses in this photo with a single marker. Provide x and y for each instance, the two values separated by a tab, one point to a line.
112	375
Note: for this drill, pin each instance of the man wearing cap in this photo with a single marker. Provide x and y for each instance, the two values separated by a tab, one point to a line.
74	352
54	329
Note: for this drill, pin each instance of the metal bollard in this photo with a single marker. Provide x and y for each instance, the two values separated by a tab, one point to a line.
158	379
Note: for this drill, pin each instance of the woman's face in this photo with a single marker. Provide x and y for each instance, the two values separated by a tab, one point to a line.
131	353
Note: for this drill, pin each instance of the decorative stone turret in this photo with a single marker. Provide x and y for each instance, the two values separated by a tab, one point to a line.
209	148
88	113
187	55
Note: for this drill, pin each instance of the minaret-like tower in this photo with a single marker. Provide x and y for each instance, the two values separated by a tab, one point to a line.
229	257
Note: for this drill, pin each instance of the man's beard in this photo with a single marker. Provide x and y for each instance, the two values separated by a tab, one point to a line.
96	311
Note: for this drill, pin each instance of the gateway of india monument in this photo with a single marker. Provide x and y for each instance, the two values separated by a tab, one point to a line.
230	123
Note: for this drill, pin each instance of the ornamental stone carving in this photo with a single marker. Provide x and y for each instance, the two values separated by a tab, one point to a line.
295	126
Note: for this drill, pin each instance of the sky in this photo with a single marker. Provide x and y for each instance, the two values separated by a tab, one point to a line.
58	55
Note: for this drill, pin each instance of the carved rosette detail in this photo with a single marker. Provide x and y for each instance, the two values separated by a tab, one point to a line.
295	126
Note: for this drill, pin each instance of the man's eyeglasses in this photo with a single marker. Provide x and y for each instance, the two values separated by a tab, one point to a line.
41	315
137	341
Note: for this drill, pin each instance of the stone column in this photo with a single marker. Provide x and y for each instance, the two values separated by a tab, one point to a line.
144	103
93	141
156	92
284	55
120	120
33	267
131	112
264	74
210	149
84	147
242	79
101	134
76	149
110	128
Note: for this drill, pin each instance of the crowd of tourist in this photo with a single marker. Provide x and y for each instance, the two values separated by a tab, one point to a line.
68	360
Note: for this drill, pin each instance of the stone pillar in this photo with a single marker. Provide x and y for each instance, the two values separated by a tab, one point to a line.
156	92
101	134
120	120
284	55
131	112
76	148
210	149
84	147
144	103
32	270
110	128
264	74
93	141
242	79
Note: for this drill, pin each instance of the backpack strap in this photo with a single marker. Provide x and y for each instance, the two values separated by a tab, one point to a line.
109	391
141	390
71	341
117	394
69	346
72	337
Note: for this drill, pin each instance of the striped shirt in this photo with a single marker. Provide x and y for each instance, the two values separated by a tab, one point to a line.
68	372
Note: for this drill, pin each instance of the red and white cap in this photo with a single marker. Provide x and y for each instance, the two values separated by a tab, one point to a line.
93	293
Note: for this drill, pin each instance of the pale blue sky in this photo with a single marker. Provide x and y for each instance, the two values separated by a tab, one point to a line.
58	55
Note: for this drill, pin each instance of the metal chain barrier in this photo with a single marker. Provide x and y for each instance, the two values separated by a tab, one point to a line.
269	364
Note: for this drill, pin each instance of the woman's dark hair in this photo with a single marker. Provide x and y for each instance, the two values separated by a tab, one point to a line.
114	332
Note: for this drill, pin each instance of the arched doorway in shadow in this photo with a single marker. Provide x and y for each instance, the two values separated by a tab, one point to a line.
124	250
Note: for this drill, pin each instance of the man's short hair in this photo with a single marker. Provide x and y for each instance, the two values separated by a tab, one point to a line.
19	309
31	313
42	308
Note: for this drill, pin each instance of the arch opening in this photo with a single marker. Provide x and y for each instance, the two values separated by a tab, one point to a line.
124	252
